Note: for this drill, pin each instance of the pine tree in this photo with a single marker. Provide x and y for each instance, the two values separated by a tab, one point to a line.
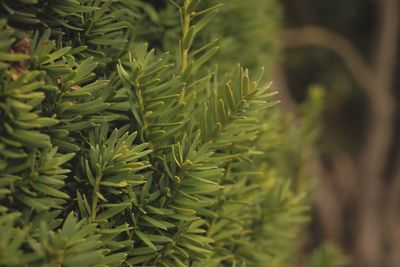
113	153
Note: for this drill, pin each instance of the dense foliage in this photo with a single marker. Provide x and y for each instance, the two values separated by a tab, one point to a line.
113	153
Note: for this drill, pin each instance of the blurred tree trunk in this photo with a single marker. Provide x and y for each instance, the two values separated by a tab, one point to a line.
376	223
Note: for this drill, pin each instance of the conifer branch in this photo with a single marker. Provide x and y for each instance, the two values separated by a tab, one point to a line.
74	100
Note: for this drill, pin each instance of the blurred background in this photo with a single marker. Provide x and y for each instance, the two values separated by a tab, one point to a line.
349	49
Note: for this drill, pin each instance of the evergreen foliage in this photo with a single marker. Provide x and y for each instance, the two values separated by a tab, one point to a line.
116	154
244	31
327	255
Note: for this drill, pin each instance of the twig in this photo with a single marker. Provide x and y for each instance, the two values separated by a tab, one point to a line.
318	36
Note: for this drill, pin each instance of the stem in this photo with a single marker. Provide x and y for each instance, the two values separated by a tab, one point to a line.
185	31
140	100
95	198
